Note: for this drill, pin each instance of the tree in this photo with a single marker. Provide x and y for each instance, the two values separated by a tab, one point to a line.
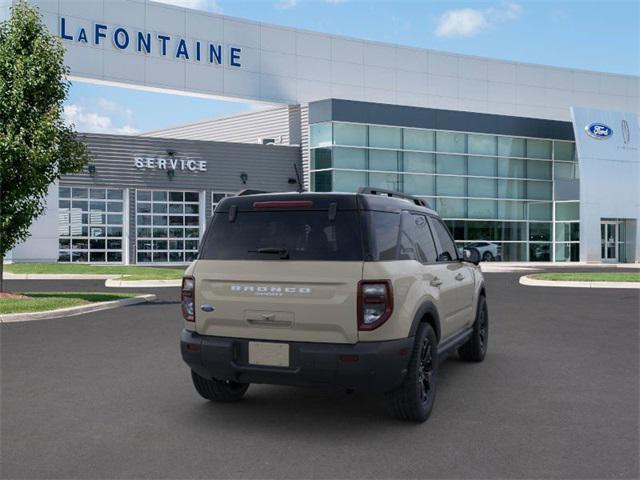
36	147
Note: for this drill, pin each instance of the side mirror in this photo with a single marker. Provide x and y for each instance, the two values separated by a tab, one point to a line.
471	255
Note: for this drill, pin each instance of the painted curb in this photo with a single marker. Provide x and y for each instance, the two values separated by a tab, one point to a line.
532	282
116	283
71	311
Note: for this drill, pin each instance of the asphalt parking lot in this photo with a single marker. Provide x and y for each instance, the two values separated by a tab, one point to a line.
106	395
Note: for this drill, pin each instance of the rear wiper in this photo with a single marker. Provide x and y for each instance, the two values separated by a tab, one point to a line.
283	252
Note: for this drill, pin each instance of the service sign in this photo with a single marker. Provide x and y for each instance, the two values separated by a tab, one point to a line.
171	163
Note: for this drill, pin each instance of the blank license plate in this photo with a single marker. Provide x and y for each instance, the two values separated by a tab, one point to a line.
269	354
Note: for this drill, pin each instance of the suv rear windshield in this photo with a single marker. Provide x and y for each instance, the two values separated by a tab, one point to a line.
276	235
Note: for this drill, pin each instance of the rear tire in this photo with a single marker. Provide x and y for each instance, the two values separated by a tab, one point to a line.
488	257
218	390
475	348
413	400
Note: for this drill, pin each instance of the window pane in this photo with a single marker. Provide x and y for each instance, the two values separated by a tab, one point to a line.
539	232
510	147
419	162
539	252
565	171
162	196
483	144
321	181
98	193
483	166
191	197
447	251
419	139
385	137
320	158
514	252
567	232
173	196
538	148
388	181
539	190
349	158
482	187
383	160
349	134
511	167
564	150
143	196
511	231
79	192
511	189
567	211
450	186
567	252
539	211
452	207
454	164
509	210
384	228
450	142
348	181
540	170
418	184
114	194
64	192
320	134
483	209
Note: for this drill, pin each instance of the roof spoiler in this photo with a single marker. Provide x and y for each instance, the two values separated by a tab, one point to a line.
249	191
390	193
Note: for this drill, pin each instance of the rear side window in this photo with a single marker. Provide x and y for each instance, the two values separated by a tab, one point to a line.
398	236
383	231
275	235
447	251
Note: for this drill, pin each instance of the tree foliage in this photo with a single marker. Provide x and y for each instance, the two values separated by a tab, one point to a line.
36	147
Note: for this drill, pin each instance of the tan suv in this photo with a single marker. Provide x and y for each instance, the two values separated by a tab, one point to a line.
363	291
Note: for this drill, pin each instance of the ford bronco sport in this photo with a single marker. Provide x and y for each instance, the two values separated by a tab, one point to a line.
362	291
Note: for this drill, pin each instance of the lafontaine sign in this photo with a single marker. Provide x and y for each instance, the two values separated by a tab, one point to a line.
172	163
160	44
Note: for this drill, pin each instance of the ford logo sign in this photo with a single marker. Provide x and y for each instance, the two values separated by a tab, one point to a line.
599	131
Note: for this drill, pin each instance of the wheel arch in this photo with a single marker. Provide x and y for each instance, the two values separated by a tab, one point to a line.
427	313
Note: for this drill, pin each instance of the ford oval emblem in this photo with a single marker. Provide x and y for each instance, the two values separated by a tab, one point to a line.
207	308
599	131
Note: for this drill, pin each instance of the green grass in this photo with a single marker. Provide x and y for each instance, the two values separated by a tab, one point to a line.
129	272
43	301
589	276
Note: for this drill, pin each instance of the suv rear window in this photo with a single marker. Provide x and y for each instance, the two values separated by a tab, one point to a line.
274	235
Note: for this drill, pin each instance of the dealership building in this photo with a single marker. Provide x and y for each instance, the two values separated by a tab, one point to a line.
529	162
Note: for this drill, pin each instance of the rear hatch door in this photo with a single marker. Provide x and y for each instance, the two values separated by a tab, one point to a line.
284	270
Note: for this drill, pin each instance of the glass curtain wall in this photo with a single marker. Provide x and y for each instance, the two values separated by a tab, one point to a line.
493	191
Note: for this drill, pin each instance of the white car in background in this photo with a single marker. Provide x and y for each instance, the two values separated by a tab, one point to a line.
489	251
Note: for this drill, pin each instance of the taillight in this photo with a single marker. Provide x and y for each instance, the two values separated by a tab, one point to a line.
188	308
375	303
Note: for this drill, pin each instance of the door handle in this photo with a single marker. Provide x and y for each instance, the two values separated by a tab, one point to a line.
436	282
459	277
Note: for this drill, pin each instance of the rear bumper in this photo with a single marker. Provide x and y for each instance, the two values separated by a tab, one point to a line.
371	366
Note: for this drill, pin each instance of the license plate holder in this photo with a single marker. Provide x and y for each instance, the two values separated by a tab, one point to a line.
269	354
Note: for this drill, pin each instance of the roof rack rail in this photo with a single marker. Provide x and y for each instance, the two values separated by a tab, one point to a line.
249	191
390	193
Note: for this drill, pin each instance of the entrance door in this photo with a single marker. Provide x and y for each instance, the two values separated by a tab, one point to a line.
609	241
